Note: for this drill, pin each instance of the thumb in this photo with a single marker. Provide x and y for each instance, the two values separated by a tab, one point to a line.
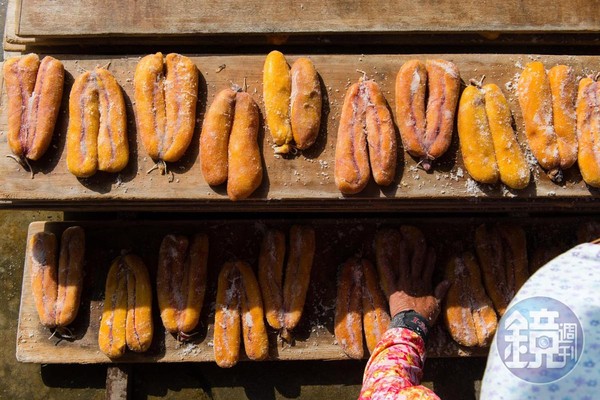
441	289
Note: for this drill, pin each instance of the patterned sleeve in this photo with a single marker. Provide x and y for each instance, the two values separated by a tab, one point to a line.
395	368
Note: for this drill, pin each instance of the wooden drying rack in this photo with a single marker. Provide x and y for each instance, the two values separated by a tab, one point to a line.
336	241
298	182
239	34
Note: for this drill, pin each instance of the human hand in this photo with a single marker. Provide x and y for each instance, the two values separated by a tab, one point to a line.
414	287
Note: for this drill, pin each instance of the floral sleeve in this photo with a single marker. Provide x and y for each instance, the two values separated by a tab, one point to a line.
395	368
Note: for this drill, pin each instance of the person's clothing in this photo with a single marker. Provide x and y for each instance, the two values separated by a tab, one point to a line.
395	368
573	279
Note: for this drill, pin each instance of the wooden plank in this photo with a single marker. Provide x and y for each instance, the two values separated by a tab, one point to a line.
188	17
11	41
117	382
403	205
216	42
305	181
336	241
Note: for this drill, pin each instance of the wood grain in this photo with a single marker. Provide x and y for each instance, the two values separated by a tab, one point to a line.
541	36
189	17
337	240
304	182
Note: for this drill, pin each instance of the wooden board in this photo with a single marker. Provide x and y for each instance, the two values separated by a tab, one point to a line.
11	41
337	240
303	182
216	43
189	17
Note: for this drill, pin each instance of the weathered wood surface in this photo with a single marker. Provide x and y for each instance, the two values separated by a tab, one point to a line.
302	182
12	42
189	17
117	382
